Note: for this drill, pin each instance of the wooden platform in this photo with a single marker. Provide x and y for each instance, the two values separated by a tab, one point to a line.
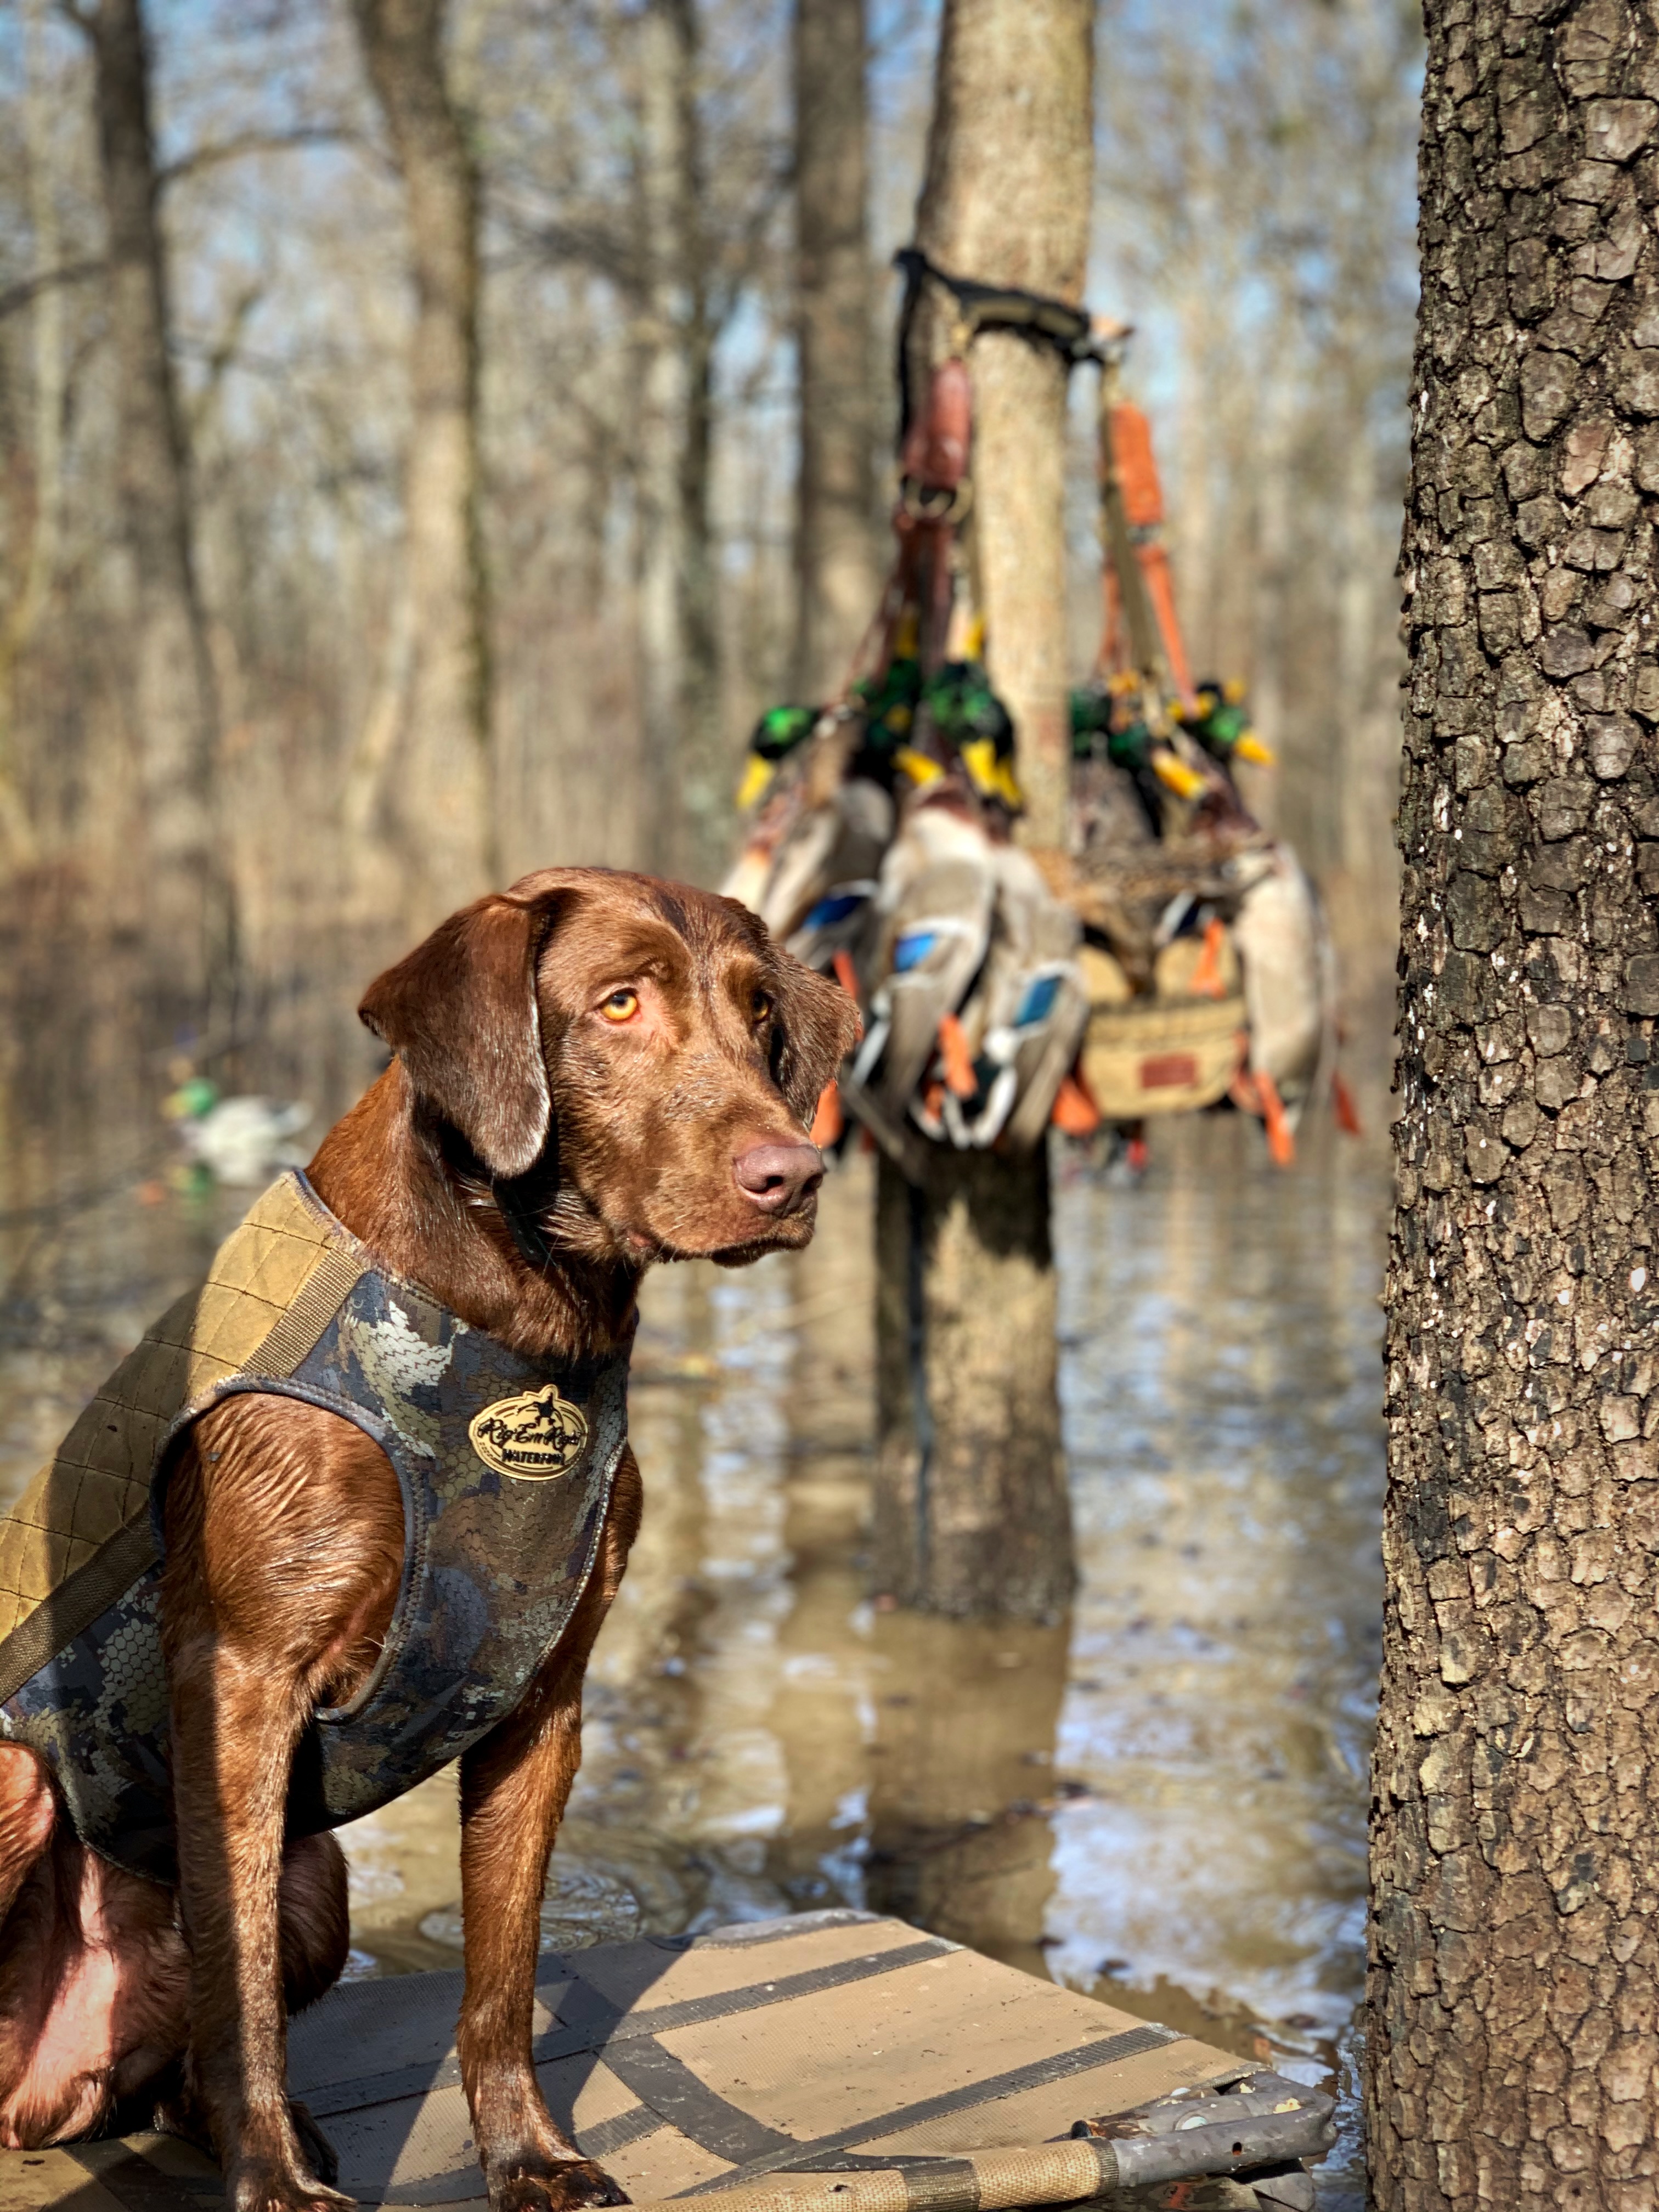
832	2042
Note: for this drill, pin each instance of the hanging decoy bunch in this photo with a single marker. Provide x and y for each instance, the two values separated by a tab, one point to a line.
1177	960
962	958
1207	960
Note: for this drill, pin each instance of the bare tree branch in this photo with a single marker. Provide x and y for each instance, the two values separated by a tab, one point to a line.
223	353
252	142
606	249
29	288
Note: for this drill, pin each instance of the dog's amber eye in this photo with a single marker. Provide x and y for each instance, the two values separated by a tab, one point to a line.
761	1007
621	1007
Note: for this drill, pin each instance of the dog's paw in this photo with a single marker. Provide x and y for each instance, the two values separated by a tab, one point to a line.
556	2187
261	2185
279	2182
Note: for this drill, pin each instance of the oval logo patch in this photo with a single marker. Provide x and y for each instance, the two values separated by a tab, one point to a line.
533	1435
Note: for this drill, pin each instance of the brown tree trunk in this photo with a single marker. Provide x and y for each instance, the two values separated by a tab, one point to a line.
705	768
187	897
437	795
679	646
1271	598
971	1508
835	550
43	144
1515	1991
1006	199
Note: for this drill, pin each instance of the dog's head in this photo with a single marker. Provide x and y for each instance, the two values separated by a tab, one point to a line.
639	1054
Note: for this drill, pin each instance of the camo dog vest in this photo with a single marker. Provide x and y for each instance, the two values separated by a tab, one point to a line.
505	1464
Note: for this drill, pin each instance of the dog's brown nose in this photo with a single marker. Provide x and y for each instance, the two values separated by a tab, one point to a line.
778	1178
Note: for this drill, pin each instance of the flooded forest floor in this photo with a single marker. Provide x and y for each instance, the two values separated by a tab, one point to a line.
1162	1801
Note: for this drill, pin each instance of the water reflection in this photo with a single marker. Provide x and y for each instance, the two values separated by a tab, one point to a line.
1222	1399
1165	1801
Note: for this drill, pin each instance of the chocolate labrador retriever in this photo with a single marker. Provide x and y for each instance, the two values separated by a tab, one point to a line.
359	1506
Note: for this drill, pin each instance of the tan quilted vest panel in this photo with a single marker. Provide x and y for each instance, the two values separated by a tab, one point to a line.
271	1289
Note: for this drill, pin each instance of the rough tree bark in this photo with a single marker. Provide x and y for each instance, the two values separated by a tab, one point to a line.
971	1511
837	565
1514	2024
437	798
188	916
679	649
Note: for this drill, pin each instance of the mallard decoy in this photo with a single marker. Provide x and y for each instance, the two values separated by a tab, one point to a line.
969	717
773	739
1107	725
1028	1012
933	913
1220	722
1283	947
828	849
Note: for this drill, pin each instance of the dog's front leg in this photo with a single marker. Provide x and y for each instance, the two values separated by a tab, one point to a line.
513	1789
284	1547
236	1722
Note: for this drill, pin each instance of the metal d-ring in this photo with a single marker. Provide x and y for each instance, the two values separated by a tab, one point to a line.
923	503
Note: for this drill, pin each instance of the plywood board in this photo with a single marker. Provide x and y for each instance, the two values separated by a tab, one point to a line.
831	2042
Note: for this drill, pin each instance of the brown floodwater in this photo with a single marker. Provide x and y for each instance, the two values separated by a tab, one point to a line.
1162	1801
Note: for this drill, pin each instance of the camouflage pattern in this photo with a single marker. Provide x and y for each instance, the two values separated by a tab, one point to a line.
494	1565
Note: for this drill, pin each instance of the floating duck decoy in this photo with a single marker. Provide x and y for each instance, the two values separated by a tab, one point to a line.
243	1140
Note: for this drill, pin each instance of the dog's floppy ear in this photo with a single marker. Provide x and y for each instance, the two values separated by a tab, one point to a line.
817	1026
461	1012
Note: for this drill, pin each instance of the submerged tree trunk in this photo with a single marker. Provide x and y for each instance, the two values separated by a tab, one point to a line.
971	1513
437	794
1514	1972
188	916
689	809
837	570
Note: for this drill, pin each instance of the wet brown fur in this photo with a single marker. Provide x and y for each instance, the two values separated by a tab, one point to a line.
285	1530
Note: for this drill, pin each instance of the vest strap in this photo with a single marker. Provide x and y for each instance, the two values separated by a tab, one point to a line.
71	1609
320	1296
